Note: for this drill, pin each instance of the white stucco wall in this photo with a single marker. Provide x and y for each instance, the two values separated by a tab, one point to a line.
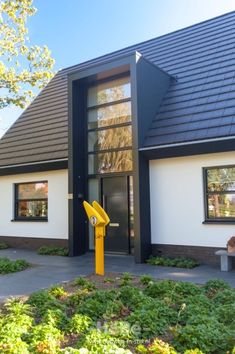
57	225
177	204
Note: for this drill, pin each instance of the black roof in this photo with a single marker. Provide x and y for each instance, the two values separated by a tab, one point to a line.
200	105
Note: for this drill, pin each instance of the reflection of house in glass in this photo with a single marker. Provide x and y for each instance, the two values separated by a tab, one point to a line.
148	131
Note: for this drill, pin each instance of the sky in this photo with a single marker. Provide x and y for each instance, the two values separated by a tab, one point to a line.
79	30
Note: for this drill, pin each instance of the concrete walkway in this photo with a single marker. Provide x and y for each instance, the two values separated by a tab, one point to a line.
49	270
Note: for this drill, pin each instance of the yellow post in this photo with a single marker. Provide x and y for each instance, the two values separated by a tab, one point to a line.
99	250
98	219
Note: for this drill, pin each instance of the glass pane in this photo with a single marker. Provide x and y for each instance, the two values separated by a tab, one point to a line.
221	179
109	91
116	161
110	138
114	114
36	209
33	190
93	194
131	208
221	205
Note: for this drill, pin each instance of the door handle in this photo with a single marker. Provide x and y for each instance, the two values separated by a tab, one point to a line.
114	224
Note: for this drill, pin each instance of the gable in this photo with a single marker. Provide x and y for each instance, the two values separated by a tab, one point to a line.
199	105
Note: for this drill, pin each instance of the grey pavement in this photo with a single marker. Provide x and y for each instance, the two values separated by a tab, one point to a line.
49	270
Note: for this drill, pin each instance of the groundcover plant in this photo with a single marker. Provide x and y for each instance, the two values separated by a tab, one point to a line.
121	314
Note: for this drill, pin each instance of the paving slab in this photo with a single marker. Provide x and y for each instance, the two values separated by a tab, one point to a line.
49	270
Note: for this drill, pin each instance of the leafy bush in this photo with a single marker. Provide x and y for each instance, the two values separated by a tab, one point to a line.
214	286
102	343
207	334
57	291
15	321
160	347
8	266
126	279
226	296
44	338
101	304
190	319
153	318
43	301
3	246
179	262
146	279
53	251
84	283
79	324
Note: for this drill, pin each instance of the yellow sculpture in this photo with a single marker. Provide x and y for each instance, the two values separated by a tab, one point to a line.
99	220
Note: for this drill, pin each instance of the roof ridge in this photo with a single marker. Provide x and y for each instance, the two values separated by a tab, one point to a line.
146	41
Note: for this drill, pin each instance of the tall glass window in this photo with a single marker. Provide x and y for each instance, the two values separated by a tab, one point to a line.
109	127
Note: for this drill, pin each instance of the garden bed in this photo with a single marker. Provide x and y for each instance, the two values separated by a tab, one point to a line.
121	314
9	266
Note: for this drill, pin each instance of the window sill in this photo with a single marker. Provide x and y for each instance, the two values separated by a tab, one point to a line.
207	222
30	220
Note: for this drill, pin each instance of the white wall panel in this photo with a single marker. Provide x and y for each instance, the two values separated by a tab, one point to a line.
57	225
177	204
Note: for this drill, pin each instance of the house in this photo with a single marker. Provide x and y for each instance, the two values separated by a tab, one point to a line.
149	131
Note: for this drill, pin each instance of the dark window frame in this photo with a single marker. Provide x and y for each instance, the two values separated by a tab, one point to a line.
113	126
17	200
215	220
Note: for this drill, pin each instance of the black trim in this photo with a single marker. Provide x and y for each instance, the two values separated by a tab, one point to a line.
113	126
218	221
30	219
208	147
96	152
108	104
39	167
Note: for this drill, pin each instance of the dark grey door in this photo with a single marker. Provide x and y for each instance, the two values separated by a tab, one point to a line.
115	202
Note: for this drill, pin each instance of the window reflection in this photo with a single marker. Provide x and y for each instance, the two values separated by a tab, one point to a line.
115	161
31	200
221	179
109	91
110	138
221	205
32	190
110	115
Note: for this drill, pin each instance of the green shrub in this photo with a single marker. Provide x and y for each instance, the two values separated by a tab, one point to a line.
57	291
226	296
179	262
42	301
153	318
102	343
44	338
100	304
15	321
84	283
146	279
3	246
53	251
160	347
126	279
8	266
204	333
214	286
160	289
79	324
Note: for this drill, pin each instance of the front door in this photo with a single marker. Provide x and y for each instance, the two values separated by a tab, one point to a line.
115	200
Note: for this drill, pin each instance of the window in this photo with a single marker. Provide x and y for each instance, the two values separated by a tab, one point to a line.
31	201
220	193
109	126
